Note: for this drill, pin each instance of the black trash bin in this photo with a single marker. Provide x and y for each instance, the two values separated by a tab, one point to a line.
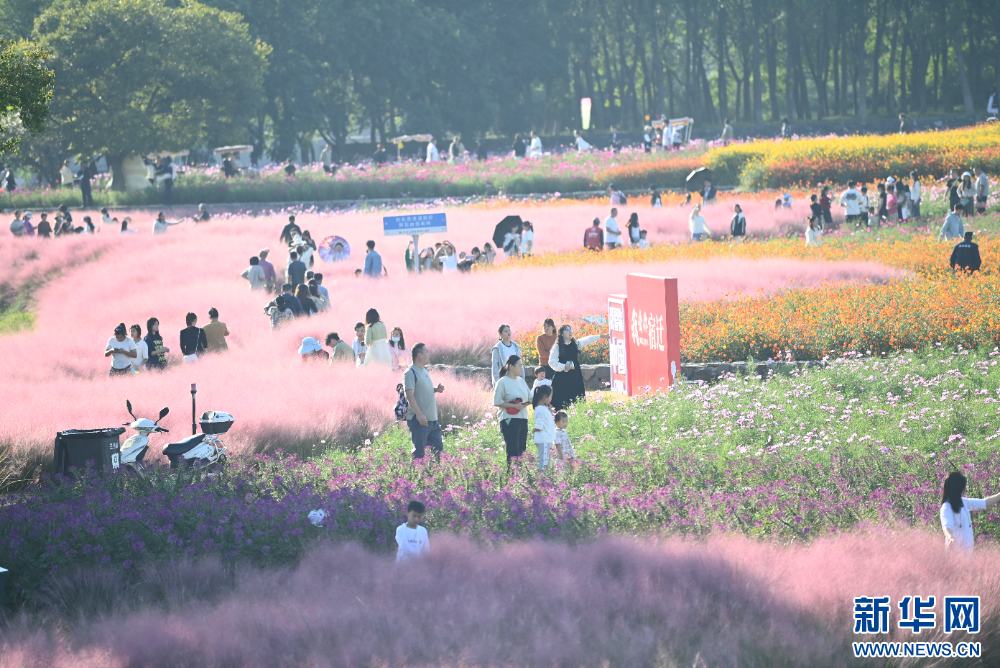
76	447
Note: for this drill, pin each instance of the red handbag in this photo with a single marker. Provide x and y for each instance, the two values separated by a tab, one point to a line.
514	411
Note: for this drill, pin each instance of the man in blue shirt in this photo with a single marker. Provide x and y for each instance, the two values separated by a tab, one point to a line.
373	262
295	273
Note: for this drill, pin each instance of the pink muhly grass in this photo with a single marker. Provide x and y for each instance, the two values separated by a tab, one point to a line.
728	601
56	373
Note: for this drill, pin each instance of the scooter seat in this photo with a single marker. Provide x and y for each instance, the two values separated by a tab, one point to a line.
183	445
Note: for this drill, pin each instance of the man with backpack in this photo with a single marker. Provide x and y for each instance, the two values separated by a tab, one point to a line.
618	198
421	404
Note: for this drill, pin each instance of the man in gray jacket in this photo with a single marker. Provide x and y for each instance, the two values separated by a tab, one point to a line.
953	227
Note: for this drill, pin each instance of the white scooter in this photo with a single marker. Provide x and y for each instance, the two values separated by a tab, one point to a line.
133	450
205	448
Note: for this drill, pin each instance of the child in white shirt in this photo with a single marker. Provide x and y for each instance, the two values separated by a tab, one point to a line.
540	379
643	241
411	537
358	344
545	426
564	449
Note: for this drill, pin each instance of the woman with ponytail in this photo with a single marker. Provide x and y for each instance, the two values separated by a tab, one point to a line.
512	396
955	519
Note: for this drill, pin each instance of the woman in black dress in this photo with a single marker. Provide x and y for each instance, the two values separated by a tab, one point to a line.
567	382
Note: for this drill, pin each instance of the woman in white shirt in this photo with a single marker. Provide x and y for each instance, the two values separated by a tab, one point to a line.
66	175
502	351
581	143
535	149
567	382
141	349
512	396
527	238
448	258
698	226
814	235
400	353
955	519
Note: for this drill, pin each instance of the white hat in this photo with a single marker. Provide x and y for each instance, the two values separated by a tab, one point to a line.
309	345
27	215
264	250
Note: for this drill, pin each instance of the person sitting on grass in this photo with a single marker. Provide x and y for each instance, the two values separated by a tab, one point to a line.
311	351
411	537
342	351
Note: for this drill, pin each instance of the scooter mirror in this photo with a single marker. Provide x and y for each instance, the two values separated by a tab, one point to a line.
163	412
128	405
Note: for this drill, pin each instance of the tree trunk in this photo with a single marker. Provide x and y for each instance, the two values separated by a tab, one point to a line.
862	70
890	92
758	110
792	59
877	50
963	77
116	163
903	104
720	37
771	54
657	107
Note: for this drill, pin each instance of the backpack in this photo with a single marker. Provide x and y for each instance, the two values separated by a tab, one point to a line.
402	405
622	197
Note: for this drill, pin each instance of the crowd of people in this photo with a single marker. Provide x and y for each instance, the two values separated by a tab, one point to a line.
25	225
133	353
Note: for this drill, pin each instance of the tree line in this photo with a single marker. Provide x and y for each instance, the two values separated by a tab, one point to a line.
144	75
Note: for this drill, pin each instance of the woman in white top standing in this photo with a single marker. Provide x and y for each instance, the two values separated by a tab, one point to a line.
502	351
814	235
696	222
400	353
955	519
535	148
141	349
66	175
527	238
512	396
567	382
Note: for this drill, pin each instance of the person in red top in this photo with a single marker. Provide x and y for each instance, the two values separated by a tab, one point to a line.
824	203
593	238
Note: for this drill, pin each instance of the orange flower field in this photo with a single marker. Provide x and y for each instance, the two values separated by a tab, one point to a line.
922	255
931	307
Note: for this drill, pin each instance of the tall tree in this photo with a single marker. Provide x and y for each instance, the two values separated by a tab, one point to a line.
25	91
159	78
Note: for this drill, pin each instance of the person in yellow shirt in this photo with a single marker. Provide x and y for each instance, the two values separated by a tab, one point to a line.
216	332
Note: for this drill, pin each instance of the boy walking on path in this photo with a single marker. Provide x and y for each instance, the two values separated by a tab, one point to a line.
412	537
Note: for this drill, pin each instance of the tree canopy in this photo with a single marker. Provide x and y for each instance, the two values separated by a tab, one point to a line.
135	76
25	90
387	66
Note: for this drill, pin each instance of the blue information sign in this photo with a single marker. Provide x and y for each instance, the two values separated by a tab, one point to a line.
418	223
